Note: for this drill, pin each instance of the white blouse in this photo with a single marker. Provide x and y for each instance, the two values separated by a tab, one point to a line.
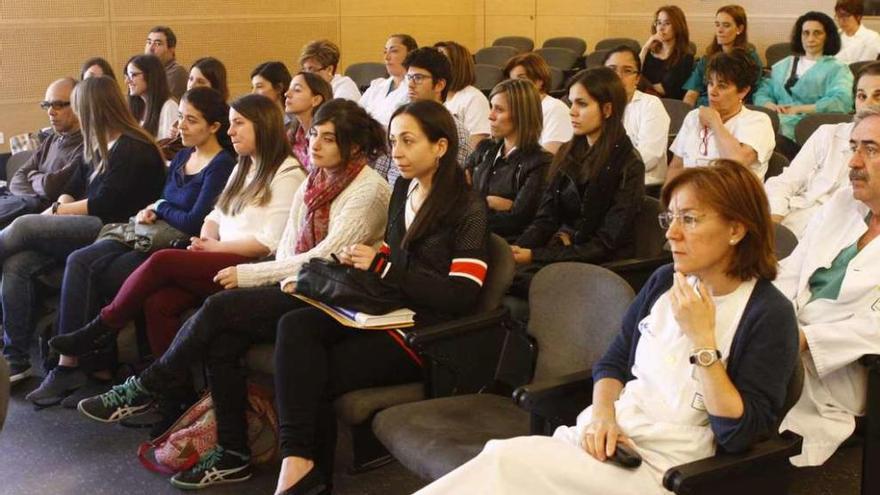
380	102
472	107
557	121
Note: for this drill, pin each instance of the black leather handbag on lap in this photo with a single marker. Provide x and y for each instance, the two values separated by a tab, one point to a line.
347	287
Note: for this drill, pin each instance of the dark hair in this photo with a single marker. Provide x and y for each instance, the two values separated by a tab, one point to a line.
211	104
324	51
215	72
604	86
740	19
272	148
170	37
149	108
871	69
624	49
537	69
100	62
406	40
735	193
431	60
832	38
277	75
736	67
318	86
356	131
464	72
449	187
855	8
682	34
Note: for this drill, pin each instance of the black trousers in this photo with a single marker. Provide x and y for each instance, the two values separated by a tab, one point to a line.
220	334
318	360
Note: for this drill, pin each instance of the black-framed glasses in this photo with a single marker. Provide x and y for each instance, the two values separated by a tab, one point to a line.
132	75
54	105
418	78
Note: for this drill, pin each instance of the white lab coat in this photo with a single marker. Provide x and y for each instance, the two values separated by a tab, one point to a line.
647	125
838	332
381	102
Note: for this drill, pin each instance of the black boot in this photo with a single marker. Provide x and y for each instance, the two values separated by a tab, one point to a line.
92	337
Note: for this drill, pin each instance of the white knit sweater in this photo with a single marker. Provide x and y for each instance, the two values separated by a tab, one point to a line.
357	216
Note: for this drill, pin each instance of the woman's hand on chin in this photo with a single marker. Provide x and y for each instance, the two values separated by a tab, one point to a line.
694	311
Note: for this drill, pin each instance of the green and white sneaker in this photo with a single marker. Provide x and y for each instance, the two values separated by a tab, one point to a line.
217	466
122	401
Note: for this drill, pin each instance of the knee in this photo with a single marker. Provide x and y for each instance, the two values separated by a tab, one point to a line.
164	259
295	331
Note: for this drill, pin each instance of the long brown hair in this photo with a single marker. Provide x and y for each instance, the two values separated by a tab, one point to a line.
148	108
735	193
524	103
740	19
464	72
272	149
682	35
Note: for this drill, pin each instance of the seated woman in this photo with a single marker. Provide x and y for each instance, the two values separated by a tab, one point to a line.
271	79
94	274
124	173
307	93
96	67
702	361
383	96
149	98
206	72
246	224
731	31
343	202
508	171
725	128
811	80
435	253
645	119
666	58
857	42
597	182
321	57
463	99
557	123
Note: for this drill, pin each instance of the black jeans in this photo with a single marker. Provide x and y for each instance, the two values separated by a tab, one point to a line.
318	360
220	334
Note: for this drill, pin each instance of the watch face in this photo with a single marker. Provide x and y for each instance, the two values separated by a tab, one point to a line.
705	358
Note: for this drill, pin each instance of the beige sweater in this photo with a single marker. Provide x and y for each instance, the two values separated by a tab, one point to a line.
357	216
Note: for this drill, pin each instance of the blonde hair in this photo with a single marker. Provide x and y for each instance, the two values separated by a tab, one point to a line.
524	101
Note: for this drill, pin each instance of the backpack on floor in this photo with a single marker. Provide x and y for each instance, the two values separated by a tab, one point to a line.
195	433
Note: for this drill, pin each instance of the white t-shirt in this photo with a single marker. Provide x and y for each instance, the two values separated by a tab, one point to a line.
167	118
472	107
557	122
863	45
381	103
345	87
750	127
647	125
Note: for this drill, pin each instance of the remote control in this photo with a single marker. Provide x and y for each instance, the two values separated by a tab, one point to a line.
626	457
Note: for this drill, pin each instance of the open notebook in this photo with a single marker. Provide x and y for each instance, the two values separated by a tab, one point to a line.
399	318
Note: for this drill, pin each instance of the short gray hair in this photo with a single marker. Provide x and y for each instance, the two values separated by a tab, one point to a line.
869	111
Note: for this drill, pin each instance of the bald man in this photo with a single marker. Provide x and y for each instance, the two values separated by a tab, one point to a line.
37	184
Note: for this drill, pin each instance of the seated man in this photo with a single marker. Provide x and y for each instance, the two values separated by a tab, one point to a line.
162	43
322	58
820	168
832	280
38	182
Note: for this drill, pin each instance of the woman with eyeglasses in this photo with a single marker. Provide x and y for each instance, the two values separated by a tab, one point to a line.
857	42
95	273
645	119
596	185
308	91
811	80
666	57
384	95
149	98
725	128
321	57
702	360
731	32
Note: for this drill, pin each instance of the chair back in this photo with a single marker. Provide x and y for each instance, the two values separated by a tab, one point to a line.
575	311
677	111
15	162
777	52
576	45
774	117
561	58
487	76
363	73
520	43
785	241
557	79
808	125
595	58
649	236
495	55
612	43
777	164
499	277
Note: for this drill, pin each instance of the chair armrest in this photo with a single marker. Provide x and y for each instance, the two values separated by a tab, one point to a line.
420	337
633	264
871	361
557	401
723	466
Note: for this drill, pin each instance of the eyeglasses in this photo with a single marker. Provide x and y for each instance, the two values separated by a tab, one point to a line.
869	151
417	78
623	71
704	141
688	220
662	24
312	68
54	105
132	75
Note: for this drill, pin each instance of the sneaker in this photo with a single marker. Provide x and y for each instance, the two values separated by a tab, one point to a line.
60	382
217	466
92	388
122	401
92	337
18	371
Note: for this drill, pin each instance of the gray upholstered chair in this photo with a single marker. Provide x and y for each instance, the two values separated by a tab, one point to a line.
807	125
577	45
520	43
649	239
576	311
495	55
363	73
777	165
677	111
612	43
776	52
15	162
786	241
487	76
561	58
4	389
596	58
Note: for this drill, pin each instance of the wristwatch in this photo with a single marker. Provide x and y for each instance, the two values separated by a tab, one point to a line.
705	356
55	206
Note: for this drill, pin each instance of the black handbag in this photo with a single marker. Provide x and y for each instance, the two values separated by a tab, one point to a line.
347	287
143	237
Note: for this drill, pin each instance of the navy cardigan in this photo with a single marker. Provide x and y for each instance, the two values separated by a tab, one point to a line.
762	357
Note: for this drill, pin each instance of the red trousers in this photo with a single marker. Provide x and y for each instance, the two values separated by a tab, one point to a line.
164	287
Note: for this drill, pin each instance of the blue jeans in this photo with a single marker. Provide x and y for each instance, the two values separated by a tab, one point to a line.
29	246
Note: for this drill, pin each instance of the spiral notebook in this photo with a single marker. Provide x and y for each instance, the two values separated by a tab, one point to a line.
399	318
